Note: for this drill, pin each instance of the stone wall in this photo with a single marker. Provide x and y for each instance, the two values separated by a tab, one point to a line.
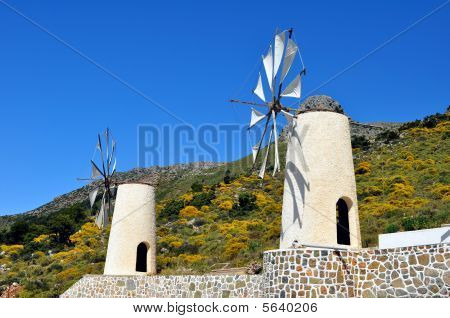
308	273
188	286
420	271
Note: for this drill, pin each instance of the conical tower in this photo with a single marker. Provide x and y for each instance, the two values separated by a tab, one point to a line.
320	206
132	241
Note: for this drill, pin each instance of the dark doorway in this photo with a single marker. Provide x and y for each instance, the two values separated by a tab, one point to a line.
343	232
141	258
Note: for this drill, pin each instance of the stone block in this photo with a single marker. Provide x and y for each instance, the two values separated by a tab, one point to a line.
423	259
431	272
398	283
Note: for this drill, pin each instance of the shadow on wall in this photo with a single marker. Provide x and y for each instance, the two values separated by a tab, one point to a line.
295	179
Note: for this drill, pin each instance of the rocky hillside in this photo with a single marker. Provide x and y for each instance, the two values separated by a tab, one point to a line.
174	173
162	175
209	214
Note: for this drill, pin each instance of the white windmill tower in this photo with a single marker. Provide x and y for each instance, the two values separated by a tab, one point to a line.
277	63
132	239
320	206
319	201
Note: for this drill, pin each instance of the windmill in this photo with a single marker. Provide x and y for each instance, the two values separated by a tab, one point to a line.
281	55
103	172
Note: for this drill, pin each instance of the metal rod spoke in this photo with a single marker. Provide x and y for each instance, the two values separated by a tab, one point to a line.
248	103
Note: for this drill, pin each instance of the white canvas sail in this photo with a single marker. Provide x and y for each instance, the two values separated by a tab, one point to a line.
268	67
114	167
289	56
254	152
262	171
256	117
293	89
106	213
92	196
259	91
290	120
289	117
95	173
100	216
278	51
276	167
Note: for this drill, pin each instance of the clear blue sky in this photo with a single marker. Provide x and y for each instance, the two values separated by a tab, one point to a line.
191	58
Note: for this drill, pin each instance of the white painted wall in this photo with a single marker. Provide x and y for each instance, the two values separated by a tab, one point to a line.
414	238
319	171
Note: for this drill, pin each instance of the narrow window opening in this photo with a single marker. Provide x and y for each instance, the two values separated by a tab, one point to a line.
343	232
141	258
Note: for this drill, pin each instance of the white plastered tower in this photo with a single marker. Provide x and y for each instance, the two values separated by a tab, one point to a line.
320	206
132	240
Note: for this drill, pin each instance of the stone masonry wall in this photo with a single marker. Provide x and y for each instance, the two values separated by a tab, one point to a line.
308	273
188	286
420	271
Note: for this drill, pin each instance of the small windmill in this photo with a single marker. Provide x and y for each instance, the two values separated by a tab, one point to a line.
280	53
103	172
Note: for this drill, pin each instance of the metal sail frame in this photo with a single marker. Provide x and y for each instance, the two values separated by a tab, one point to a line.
275	59
105	172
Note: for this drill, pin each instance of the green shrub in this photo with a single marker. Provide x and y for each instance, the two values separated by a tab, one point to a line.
391	228
360	142
197	187
388	136
202	199
171	210
247	201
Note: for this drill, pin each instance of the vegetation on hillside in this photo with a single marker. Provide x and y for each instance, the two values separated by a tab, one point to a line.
232	216
404	182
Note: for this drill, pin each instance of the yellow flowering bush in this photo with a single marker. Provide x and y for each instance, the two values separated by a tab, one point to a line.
41	238
68	274
441	191
86	235
234	246
11	250
262	199
226	205
187	197
191	258
171	240
190	212
363	168
401	190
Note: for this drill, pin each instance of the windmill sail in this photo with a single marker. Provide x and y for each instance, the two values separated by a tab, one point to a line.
95	171
254	152
112	152
278	51
276	167
104	176
100	216
291	51
256	117
92	196
289	117
114	167
293	89
268	67
262	171
290	121
277	62
99	143
259	91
